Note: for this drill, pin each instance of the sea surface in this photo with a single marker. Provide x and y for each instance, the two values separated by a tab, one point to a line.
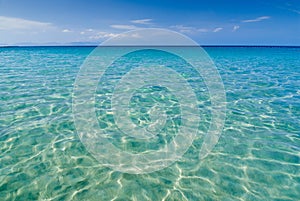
256	158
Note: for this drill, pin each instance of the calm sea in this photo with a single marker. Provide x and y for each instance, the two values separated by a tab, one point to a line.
257	156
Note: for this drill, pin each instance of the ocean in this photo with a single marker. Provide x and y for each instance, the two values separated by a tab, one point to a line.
257	156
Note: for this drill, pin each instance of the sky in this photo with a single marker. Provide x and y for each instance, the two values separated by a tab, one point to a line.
209	22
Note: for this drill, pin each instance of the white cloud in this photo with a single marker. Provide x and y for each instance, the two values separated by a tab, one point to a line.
183	29
202	30
188	29
142	21
295	11
236	27
66	31
87	31
120	26
103	34
11	24
258	19
217	29
22	31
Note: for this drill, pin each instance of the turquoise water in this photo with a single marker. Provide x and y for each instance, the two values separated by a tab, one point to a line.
256	158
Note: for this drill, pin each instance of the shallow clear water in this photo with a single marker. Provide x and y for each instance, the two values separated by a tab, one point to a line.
256	158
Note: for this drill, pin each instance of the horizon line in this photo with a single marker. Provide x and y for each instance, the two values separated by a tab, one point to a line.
67	45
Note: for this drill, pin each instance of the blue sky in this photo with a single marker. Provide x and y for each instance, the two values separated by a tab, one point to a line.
210	22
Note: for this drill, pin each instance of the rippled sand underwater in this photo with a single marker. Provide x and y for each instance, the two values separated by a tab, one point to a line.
256	158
